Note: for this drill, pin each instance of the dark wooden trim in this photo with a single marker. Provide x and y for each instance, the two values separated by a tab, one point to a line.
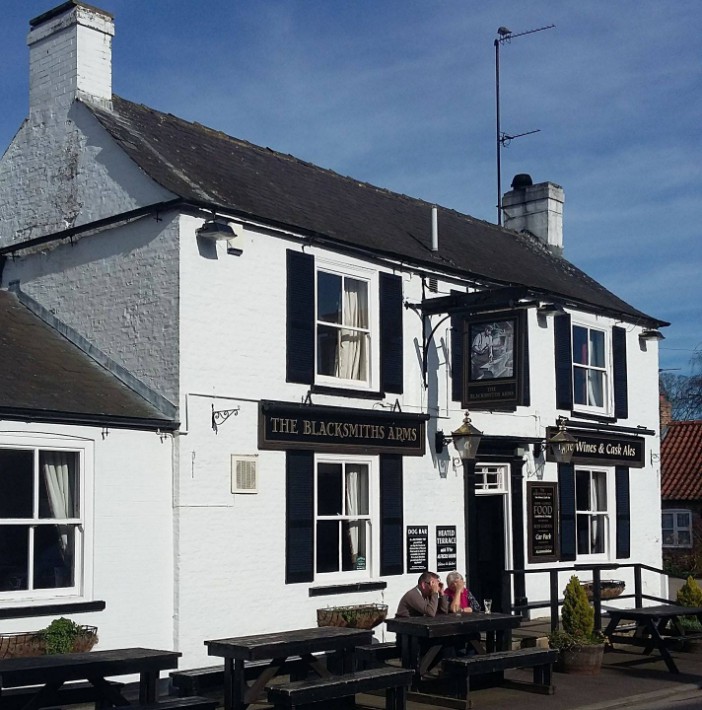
26	612
344	392
346	588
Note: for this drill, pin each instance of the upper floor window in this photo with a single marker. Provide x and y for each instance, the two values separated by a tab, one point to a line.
343	516
592	514
343	327
677	528
590	370
41	521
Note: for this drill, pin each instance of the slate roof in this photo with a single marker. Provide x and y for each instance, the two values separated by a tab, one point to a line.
205	166
681	461
44	377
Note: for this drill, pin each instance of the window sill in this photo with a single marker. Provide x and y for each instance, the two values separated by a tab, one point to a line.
346	392
346	588
25	612
605	418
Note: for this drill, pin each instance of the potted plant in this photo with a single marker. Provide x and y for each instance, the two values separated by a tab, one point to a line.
690	594
580	648
65	636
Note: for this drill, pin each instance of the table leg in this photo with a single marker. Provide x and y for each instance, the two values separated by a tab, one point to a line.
44	697
659	643
148	687
109	695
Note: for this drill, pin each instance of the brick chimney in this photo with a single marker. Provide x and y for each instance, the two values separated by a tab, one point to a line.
537	209
70	54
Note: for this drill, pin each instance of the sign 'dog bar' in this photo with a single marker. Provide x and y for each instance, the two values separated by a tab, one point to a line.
283	425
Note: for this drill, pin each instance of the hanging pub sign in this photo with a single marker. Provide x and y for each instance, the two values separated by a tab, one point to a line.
283	425
542	521
417	548
494	359
605	449
445	548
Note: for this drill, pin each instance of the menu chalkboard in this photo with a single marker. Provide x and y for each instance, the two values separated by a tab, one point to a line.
417	548
542	502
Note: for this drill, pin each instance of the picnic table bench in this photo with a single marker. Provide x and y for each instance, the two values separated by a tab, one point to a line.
656	627
277	649
540	659
47	675
71	693
394	681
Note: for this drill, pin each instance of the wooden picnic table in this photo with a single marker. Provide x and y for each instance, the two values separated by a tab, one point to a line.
655	626
278	648
52	671
422	639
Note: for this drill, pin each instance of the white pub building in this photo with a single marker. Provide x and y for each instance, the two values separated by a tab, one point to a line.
231	380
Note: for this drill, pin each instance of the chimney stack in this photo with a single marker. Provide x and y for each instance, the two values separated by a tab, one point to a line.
537	209
70	54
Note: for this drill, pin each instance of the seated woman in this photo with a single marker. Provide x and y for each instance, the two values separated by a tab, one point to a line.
461	601
459	598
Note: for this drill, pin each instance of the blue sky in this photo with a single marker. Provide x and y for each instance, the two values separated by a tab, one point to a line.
401	93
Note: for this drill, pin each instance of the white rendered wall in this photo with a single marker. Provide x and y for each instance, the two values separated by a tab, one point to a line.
128	532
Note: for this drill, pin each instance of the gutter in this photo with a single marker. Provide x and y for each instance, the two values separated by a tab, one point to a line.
103	420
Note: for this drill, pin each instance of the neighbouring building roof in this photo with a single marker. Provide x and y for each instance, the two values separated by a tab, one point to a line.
45	377
681	461
205	166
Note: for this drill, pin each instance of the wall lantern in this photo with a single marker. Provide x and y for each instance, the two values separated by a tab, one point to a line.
562	443
216	229
546	308
466	440
651	334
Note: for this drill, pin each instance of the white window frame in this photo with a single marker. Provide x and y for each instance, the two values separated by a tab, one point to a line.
371	278
676	529
606	513
491	478
84	450
606	370
372	516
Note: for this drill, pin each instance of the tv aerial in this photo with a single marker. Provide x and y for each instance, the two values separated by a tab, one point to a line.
505	36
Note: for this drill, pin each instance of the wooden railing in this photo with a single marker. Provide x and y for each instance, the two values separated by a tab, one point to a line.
521	604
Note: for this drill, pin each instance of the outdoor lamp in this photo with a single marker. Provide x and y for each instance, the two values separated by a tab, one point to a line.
216	229
562	443
651	334
466	439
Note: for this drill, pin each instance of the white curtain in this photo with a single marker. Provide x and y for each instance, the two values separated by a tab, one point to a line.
356	504
599	503
351	361
58	478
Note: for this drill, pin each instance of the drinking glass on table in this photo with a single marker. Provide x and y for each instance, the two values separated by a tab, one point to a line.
487	603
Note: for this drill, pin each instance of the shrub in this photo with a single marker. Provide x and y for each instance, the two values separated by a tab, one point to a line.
578	617
60	634
690	594
577	620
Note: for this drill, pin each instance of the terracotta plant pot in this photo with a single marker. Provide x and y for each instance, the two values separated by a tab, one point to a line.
586	660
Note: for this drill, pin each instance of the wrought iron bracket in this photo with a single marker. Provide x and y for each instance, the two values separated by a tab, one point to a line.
221	416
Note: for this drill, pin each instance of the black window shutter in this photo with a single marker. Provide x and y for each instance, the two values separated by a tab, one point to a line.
299	517
300	318
564	362
621	395
457	357
623	509
391	520
566	500
391	379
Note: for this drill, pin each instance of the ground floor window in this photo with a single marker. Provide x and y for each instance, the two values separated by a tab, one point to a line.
592	518
677	528
41	521
343	521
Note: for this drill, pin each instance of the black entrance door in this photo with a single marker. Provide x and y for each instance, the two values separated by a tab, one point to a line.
486	576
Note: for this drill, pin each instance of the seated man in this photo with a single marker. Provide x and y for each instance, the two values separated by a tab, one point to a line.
425	599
